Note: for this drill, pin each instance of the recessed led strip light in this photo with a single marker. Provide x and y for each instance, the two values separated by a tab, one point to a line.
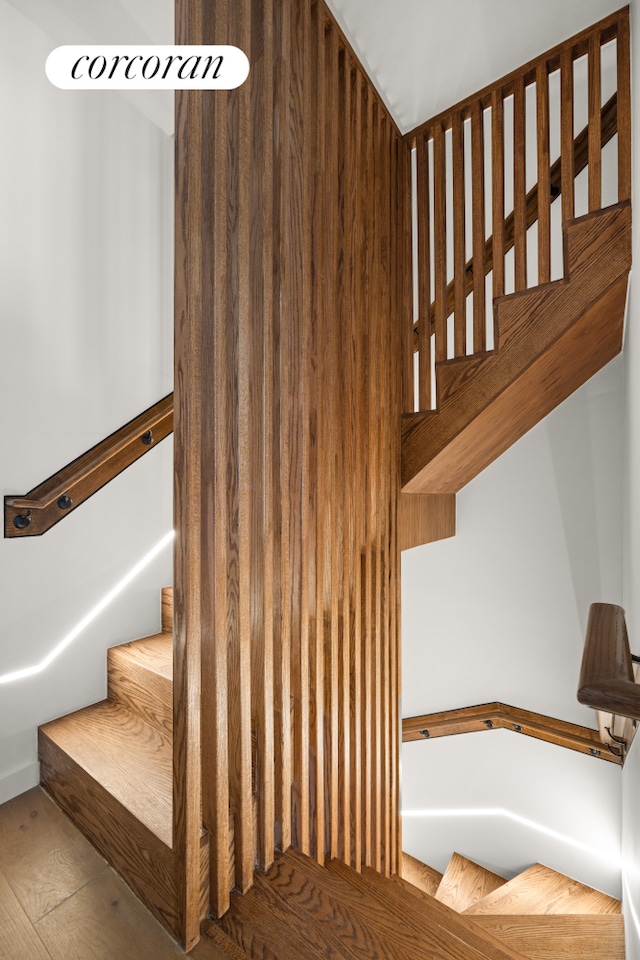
613	857
91	616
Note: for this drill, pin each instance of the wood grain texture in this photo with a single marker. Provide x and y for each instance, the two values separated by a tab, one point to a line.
87	474
478	229
167	609
18	939
567	152
424	274
497	192
43	857
624	107
519	185
540	890
544	194
578	329
578	44
607	680
459	241
464	883
288	349
502	716
553	937
595	159
423	518
104	920
561	177
416	872
140	677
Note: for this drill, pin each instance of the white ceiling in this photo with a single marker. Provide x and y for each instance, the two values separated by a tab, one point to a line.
425	55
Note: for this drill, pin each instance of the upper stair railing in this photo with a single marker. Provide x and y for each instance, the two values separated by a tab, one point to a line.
53	499
490	168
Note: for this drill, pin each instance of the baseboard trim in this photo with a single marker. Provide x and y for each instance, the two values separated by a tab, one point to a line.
15	782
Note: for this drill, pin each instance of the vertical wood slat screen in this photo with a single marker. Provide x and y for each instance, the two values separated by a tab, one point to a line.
437	339
293	284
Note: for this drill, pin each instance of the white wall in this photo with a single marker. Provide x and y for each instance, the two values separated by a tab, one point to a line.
499	613
86	186
631	500
549	787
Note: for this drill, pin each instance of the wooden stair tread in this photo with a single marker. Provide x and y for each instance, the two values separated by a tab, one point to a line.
126	755
420	875
541	890
465	883
436	924
561	937
154	653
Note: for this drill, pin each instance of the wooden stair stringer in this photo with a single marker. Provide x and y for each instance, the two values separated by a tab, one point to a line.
560	936
539	890
551	340
464	883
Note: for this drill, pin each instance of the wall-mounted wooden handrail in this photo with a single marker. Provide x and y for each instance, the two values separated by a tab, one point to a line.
41	508
501	716
609	128
607	679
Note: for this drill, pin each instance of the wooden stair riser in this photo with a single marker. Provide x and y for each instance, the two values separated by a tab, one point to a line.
552	339
420	875
141	687
465	883
167	609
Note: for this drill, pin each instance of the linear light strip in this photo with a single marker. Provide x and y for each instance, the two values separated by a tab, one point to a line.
91	616
524	821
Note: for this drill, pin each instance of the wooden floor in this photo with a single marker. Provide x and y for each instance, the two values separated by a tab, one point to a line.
59	900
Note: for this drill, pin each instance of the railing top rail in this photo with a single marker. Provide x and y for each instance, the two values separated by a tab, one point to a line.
606	29
71	485
606	678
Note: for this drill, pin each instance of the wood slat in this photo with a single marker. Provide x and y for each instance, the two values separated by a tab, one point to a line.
424	274
477	179
497	166
519	185
580	160
440	242
459	239
544	195
595	136
566	135
578	44
624	108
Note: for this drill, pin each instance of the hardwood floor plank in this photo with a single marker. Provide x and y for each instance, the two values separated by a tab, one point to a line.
18	939
104	921
42	855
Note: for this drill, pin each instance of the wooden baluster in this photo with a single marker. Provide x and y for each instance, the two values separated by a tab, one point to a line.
460	295
624	109
544	195
497	160
519	185
440	241
424	274
566	135
477	196
595	135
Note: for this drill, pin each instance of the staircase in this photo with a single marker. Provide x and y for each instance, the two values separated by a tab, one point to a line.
109	766
299	910
550	340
